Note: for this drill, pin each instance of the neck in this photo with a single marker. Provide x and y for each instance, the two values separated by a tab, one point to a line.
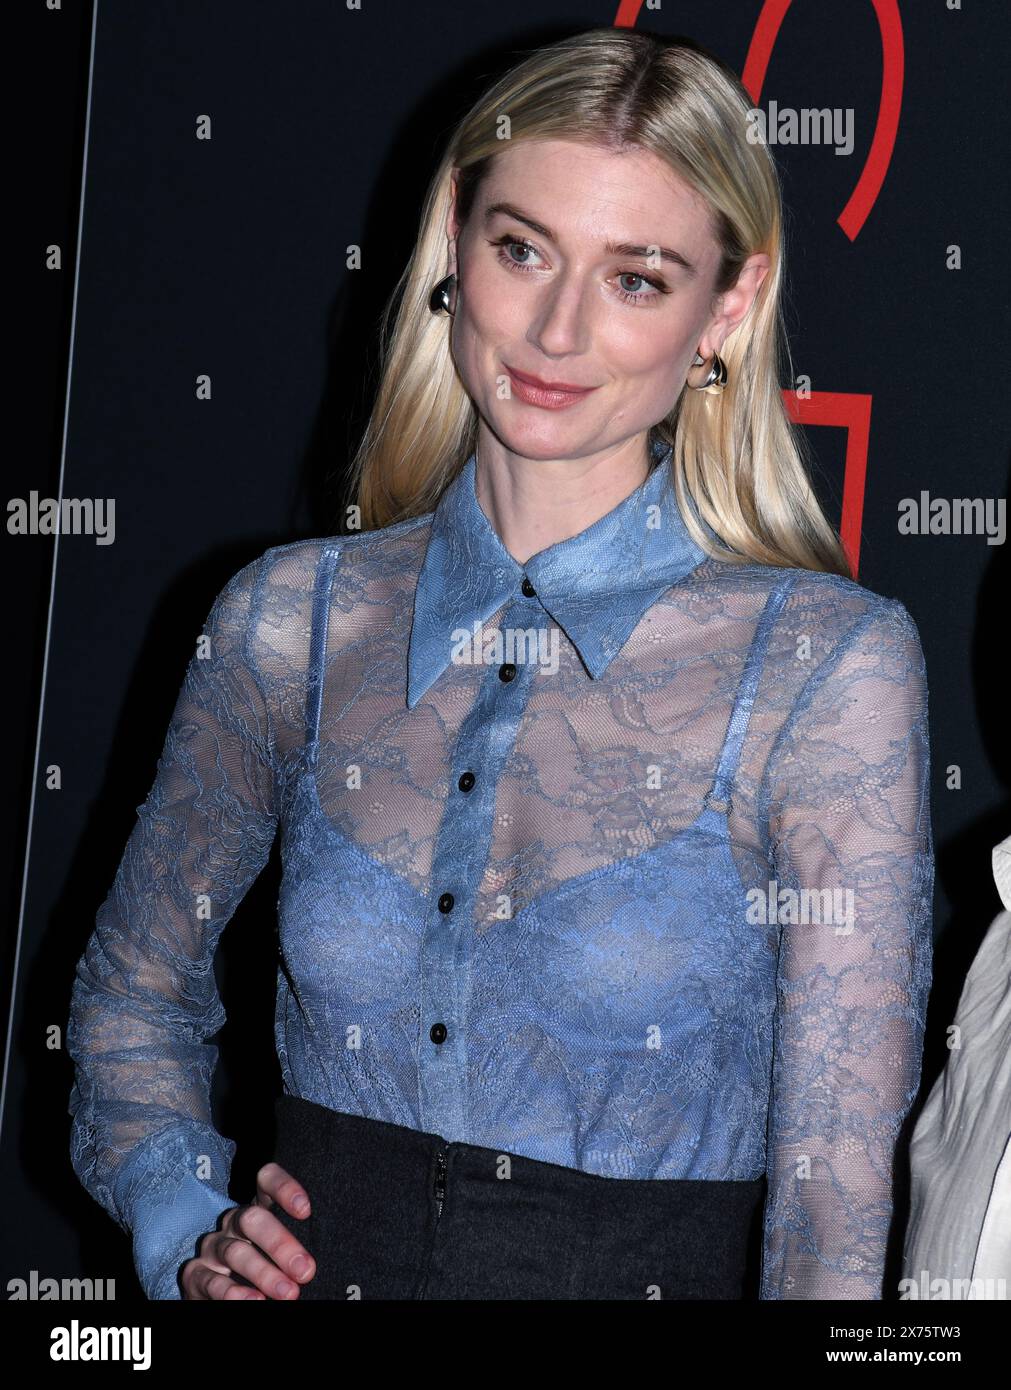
535	503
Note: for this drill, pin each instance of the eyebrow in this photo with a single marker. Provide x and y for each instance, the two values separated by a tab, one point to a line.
612	248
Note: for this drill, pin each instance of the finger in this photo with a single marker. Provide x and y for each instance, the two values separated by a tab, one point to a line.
223	1287
259	1226
252	1264
279	1186
202	1282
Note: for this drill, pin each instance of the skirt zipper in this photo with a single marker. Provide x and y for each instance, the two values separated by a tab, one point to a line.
440	1181
439	1191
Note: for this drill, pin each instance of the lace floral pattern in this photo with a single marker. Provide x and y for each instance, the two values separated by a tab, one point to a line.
697	747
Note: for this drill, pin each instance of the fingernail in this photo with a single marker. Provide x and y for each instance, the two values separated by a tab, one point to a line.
300	1203
284	1287
300	1265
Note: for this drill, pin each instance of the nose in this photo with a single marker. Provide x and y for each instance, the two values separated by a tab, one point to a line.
560	324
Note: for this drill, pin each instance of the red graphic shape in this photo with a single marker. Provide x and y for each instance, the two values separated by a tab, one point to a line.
851	412
879	156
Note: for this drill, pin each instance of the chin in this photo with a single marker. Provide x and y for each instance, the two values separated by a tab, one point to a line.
545	439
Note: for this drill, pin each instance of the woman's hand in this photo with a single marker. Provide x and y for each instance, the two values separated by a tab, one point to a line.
248	1236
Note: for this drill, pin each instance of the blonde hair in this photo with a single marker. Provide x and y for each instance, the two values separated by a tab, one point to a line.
737	456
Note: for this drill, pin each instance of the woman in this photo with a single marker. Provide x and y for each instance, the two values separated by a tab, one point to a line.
602	787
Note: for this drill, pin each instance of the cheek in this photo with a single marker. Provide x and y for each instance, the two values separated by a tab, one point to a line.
651	340
498	307
642	347
490	316
651	354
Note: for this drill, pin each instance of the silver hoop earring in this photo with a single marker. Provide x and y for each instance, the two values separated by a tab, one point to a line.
716	381
439	300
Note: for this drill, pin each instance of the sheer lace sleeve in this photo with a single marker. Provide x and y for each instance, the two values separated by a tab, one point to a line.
848	815
144	998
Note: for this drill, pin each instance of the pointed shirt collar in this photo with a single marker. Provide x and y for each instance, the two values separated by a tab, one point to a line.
596	585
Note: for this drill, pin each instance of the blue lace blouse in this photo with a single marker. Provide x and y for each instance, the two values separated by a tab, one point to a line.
620	859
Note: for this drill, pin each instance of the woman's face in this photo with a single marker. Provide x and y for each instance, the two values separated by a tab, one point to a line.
540	293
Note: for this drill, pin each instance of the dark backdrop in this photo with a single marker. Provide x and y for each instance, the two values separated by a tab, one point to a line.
227	257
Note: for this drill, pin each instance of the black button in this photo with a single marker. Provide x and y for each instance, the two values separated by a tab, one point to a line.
506	671
527	587
446	902
466	781
438	1032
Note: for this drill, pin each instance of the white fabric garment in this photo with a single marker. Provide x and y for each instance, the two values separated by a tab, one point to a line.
960	1155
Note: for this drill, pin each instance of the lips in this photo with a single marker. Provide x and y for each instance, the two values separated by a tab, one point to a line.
547	385
547	396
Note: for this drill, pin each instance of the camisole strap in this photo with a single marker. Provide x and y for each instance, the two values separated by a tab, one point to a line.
717	798
322	591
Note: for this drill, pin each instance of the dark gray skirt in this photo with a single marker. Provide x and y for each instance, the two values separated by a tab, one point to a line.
398	1213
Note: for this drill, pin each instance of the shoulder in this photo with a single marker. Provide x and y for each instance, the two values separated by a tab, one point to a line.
271	597
293	568
862	651
825	634
402	543
867	629
838	609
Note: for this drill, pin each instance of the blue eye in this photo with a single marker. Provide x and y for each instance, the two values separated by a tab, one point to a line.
504	243
634	275
635	297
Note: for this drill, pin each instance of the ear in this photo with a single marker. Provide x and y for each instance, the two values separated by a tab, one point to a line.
734	304
452	226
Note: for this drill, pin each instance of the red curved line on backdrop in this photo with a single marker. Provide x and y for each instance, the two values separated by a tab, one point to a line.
628	13
763	41
879	156
893	65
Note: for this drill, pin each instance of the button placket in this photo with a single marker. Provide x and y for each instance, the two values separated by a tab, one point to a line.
485	741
